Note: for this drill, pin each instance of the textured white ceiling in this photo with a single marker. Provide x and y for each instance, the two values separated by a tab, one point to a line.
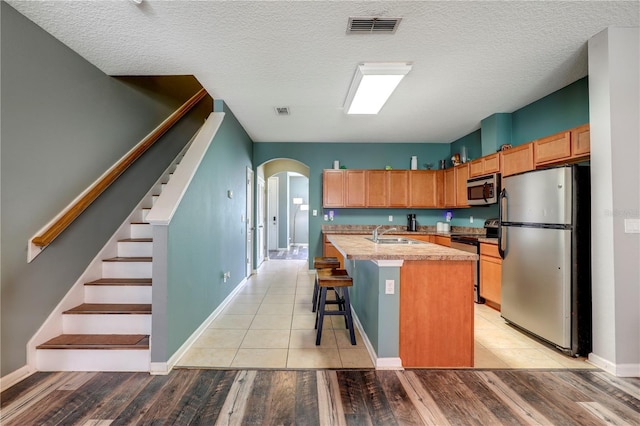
470	58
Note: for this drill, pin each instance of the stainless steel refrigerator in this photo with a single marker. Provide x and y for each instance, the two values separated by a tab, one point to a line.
544	241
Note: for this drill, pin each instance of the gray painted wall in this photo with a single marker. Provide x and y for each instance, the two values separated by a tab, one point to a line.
614	94
64	122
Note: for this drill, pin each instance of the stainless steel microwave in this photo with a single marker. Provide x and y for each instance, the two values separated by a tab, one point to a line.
483	190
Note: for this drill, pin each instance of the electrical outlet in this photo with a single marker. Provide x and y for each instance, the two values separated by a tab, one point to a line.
390	218
470	219
632	226
389	287
326	217
314	212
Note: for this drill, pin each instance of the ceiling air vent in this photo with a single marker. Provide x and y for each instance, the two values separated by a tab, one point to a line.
373	25
282	110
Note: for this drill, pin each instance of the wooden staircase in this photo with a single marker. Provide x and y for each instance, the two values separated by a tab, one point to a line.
111	330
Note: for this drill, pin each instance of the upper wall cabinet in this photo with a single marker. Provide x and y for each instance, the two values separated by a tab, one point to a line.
355	188
426	188
462	174
485	165
377	188
398	188
333	188
517	160
564	147
581	141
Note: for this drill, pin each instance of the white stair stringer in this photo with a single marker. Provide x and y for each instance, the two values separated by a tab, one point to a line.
104	323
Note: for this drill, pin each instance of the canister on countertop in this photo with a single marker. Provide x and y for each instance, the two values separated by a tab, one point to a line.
440	226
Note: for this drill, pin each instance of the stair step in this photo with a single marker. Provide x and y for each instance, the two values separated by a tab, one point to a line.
127	267
97	341
121	282
135	247
110	309
141	230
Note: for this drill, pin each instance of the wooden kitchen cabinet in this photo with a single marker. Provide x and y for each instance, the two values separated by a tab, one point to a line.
490	274
518	159
355	184
449	187
329	250
377	188
581	141
333	188
485	165
426	188
442	240
552	149
462	174
398	188
421	237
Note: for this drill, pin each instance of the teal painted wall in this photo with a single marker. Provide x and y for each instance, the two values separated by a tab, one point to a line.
319	156
472	144
206	234
561	110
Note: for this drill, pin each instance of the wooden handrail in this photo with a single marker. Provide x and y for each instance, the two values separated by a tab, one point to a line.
94	191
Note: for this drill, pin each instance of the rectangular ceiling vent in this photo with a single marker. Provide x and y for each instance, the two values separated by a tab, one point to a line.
282	110
373	25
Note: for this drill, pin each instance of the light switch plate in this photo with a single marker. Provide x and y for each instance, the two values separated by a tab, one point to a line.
314	212
389	287
632	226
390	218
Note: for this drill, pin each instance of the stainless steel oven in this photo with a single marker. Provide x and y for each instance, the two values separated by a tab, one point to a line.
483	190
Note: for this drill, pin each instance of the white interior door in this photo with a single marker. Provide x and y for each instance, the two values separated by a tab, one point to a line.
249	223
272	212
260	221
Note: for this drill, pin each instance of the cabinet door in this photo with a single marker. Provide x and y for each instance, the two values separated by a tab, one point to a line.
462	174
491	163
329	250
355	188
442	240
421	237
553	148
518	159
449	187
398	188
476	167
423	188
580	141
490	278
333	188
377	187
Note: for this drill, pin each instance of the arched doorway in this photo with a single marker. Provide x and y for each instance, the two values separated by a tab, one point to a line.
282	210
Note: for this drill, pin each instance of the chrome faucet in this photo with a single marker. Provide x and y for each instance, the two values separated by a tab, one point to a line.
377	234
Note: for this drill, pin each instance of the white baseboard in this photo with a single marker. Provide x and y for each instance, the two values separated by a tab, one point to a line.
387	363
618	370
17	376
161	368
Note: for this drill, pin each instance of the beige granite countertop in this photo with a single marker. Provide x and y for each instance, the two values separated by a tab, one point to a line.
488	240
401	230
357	247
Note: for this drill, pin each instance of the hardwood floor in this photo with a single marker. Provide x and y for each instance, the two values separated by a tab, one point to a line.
324	397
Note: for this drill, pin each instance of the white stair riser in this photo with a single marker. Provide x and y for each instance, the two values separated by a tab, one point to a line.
126	269
106	324
145	212
141	230
93	360
154	199
117	294
135	249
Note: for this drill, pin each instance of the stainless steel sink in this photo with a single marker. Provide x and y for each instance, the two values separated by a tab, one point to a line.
395	240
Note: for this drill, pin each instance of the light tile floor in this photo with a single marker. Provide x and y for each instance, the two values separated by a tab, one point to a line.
269	324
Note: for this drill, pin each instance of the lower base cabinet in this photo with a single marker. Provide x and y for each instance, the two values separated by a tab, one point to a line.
329	250
490	274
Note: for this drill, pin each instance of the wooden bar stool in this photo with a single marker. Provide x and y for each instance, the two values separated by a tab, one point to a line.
342	282
322	264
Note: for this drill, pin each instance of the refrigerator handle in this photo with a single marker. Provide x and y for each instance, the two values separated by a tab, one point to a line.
501	212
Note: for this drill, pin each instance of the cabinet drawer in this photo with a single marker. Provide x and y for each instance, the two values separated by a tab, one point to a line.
489	250
443	241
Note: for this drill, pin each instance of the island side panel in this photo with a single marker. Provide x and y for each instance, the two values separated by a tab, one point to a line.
436	313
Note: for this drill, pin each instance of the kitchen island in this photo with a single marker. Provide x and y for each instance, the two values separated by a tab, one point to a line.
414	302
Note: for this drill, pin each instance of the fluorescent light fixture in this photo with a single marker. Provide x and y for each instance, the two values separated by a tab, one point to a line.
372	85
